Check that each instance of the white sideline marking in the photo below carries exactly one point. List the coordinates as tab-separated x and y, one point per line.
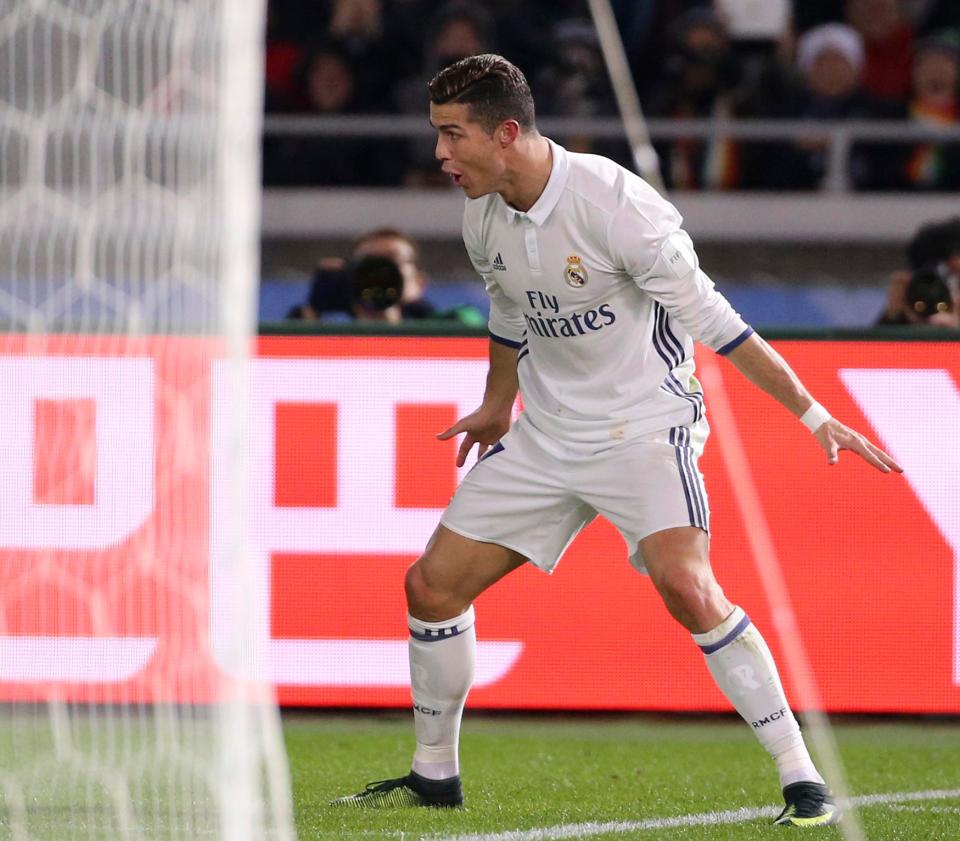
731	816
936	810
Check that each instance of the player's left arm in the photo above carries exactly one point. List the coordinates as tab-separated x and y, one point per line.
676	281
766	369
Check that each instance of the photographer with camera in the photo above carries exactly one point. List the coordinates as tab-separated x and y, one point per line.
382	281
929	293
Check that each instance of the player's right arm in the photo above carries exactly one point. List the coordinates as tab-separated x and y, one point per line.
490	422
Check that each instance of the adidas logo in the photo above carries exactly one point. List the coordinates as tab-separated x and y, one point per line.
498	265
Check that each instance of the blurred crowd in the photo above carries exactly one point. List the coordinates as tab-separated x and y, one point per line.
811	60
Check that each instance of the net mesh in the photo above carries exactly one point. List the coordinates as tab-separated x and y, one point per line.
128	250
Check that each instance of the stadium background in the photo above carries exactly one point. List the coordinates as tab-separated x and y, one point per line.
813	257
753	224
348	481
139	597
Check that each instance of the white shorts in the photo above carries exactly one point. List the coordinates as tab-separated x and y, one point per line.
535	501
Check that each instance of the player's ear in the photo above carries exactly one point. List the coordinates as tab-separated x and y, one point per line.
507	132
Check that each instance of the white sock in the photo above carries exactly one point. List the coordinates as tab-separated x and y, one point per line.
743	668
442	656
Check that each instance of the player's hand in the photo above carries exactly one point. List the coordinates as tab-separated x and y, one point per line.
833	436
483	427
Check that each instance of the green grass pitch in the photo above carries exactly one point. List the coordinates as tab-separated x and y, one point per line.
552	773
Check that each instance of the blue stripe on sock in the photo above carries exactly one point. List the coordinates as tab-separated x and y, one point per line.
741	627
435	635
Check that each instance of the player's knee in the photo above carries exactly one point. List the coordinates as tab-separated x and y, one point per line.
691	593
415	587
425	599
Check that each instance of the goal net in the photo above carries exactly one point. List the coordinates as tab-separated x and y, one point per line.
129	136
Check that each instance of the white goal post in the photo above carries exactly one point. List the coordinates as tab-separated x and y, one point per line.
129	231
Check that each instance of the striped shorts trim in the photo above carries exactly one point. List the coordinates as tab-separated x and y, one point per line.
693	490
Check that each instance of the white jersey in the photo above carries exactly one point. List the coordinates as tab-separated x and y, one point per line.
600	291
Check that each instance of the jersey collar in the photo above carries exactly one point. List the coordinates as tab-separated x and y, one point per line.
556	183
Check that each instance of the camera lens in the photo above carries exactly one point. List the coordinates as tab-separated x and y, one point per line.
927	293
376	283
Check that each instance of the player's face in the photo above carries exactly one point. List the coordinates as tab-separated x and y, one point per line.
471	157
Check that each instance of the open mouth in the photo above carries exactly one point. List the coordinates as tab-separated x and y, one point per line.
455	177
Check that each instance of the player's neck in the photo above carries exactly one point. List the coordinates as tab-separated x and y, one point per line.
528	174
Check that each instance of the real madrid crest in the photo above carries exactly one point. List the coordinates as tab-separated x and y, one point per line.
575	272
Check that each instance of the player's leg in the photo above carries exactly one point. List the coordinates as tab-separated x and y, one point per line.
513	506
740	662
441	587
677	561
653	492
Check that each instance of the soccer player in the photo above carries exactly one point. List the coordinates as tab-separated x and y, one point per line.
596	298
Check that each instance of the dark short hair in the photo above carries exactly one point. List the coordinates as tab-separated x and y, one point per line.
934	242
494	88
387	233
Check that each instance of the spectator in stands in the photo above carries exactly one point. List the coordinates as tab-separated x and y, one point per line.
360	20
759	34
330	85
457	30
521	29
770	88
830	59
383	281
888	44
297	28
701	80
330	82
361	27
935	100
574	84
283	55
928	293
344	57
